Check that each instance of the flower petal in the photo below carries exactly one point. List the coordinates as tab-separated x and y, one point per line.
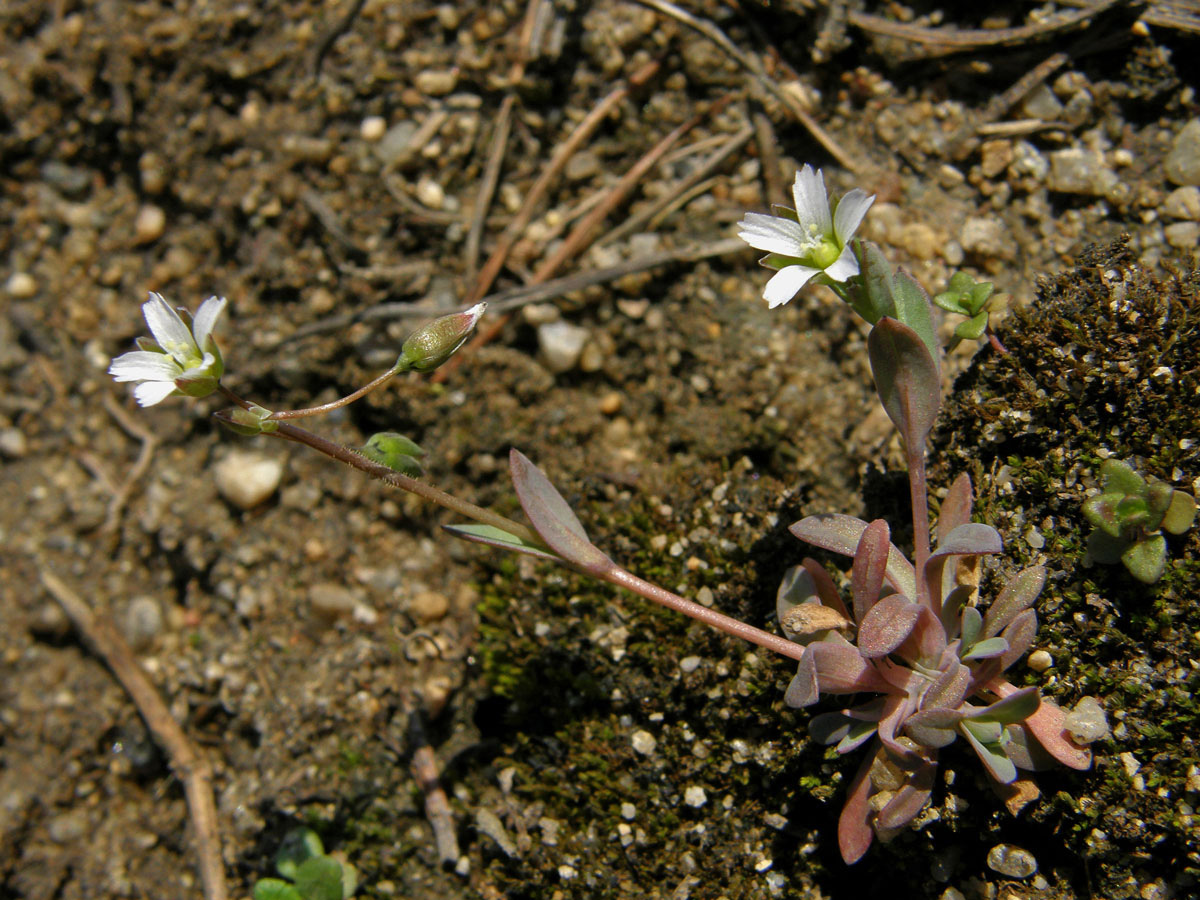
772	234
812	202
143	365
149	393
844	267
785	283
849	214
168	328
206	319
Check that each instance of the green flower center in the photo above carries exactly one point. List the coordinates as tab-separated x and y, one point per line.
825	253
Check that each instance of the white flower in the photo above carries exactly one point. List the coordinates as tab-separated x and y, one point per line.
182	359
813	243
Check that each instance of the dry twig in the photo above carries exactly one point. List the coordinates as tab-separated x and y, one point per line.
424	768
754	66
188	764
1002	103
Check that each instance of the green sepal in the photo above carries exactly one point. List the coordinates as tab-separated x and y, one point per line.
394	450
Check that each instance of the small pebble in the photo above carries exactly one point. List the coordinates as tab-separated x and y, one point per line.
1182	234
428	606
689	664
68	827
1087	721
987	237
142	622
610	403
1040	660
13	443
1182	164
644	742
373	128
21	286
1181	203
50	623
430	193
628	811
246	478
561	345
150	223
331	601
436	82
695	796
1079	171
1011	861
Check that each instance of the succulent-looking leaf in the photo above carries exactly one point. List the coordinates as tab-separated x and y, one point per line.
969	629
973	328
952	607
796	587
1158	501
1180	514
886	625
926	642
1048	727
802	690
498	537
985	740
1020	635
826	589
1015	708
956	506
950	688
933	728
1146	560
906	379
970	539
841	669
551	516
854	825
857	735
841	534
986	649
909	800
870	565
1019	594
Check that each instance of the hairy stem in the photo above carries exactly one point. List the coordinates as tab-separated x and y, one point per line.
919	496
336	404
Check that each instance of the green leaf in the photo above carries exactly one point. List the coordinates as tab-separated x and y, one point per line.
972	624
873	299
973	329
299	845
498	537
320	878
906	379
1146	560
1180	514
394	450
990	749
914	309
274	889
1101	512
1119	477
986	649
1016	707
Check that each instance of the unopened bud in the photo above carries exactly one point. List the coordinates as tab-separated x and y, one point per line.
255	420
431	345
394	450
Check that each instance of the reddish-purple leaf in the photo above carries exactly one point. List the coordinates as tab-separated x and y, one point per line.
927	641
906	379
886	625
854	825
933	728
950	689
803	691
909	800
1019	594
870	563
1048	726
551	517
1020	635
841	534
1015	707
841	669
956	506
826	589
969	539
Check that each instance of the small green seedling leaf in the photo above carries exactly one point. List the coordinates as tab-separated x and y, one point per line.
1146	560
1120	478
274	889
986	649
320	878
1180	514
299	846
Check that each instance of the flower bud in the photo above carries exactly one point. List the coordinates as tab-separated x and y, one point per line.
249	422
431	345
394	450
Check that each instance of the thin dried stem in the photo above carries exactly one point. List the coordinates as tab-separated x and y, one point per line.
187	763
